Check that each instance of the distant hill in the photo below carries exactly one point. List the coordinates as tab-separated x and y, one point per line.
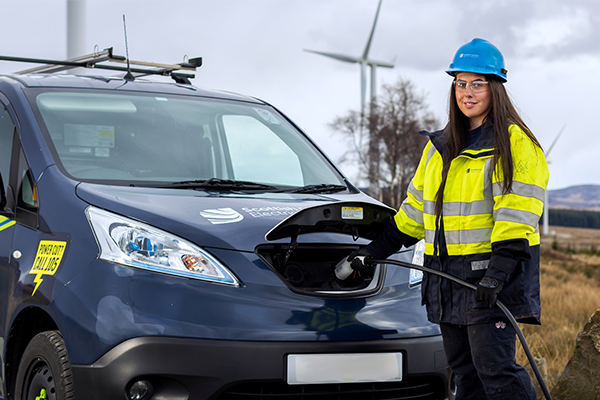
583	197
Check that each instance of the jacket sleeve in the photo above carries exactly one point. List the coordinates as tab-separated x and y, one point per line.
406	228
389	242
409	218
517	214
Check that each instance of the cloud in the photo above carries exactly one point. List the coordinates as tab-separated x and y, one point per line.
554	34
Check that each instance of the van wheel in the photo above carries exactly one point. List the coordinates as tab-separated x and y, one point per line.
45	370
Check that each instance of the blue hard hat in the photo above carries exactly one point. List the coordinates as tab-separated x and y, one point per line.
480	57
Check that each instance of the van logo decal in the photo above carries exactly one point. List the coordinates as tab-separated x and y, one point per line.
47	260
218	216
259	212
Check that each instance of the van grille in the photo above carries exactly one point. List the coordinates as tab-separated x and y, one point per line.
422	388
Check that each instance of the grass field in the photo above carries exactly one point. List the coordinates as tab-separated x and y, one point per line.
570	294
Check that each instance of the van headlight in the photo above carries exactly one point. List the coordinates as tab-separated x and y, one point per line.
416	276
134	244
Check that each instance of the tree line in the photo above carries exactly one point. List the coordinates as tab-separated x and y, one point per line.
574	218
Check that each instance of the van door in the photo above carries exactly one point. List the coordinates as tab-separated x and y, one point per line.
7	223
29	256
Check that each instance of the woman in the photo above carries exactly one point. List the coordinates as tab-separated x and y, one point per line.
476	199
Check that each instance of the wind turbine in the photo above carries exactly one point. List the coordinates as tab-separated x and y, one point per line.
545	222
363	60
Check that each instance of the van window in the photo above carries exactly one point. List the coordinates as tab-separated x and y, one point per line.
126	138
251	160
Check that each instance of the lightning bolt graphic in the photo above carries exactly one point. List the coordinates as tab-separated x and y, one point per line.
38	280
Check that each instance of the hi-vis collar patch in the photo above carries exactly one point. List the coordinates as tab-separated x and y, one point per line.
47	260
6	223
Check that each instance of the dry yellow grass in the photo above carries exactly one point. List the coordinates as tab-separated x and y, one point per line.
570	294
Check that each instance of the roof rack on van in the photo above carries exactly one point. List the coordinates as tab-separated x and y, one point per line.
93	61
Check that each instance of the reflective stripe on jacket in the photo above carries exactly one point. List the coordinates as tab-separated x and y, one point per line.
482	231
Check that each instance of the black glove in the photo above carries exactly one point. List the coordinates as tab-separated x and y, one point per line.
488	290
357	264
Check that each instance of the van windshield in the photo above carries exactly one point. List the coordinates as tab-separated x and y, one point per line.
142	138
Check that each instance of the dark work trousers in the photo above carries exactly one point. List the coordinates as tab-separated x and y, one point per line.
482	358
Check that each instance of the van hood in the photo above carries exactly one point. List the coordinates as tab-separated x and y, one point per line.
241	221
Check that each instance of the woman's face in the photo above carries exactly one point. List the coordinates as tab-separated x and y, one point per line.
473	96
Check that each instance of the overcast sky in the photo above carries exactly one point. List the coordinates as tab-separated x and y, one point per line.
255	47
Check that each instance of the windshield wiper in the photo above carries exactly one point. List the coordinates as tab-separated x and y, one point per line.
322	188
219	184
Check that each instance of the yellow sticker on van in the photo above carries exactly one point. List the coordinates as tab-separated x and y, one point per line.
352	213
47	260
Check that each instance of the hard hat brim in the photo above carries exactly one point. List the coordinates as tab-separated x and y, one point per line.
476	70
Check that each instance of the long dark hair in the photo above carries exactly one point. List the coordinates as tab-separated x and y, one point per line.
502	114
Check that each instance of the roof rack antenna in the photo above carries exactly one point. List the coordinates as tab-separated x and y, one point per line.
128	76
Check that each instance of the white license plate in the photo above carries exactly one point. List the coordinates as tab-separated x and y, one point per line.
343	368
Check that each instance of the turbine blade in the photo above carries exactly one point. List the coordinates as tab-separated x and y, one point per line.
340	57
555	139
368	46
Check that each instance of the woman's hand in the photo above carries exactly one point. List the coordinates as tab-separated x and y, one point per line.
360	261
488	290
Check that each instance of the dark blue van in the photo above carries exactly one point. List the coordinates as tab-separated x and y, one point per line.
162	241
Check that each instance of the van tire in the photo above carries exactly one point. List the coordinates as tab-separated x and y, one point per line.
45	367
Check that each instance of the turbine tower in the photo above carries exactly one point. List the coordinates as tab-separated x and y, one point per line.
363	60
76	17
76	24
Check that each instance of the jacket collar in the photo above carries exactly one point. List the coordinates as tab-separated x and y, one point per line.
485	141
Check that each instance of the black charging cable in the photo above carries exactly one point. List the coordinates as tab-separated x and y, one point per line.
510	317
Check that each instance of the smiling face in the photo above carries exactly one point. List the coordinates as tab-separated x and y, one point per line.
474	106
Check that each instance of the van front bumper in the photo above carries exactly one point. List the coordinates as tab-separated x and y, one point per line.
182	368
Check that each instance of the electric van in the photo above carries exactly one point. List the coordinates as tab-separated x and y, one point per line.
163	241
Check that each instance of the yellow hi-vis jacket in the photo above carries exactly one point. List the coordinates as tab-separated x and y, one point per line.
482	231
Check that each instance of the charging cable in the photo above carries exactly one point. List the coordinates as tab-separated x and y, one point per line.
510	317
